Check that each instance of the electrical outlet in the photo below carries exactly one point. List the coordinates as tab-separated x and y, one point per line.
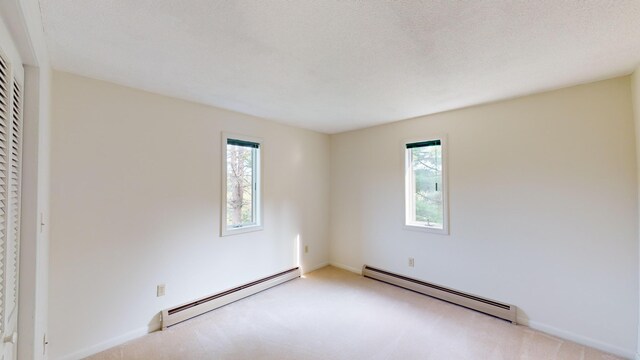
306	249
160	290
411	262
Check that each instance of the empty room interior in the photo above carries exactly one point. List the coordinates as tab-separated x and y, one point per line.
336	179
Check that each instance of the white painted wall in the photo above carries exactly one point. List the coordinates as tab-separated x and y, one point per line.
136	202
635	93
543	208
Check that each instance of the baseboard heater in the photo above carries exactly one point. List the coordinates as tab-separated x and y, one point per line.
490	307
187	311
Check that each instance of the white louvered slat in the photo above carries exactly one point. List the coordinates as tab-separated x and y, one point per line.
4	160
14	197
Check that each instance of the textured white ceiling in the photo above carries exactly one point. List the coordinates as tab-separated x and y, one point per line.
336	65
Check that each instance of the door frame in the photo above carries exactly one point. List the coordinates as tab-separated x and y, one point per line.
23	20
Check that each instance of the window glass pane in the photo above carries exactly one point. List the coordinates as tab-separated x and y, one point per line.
241	180
426	163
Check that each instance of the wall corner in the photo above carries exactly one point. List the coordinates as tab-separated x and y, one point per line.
635	98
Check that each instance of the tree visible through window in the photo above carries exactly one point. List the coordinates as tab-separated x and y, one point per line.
242	184
425	187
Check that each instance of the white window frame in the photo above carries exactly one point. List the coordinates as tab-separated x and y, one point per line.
257	166
409	205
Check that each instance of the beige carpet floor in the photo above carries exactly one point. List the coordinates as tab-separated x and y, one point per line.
334	314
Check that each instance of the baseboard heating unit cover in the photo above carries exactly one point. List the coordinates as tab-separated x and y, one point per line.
192	309
490	307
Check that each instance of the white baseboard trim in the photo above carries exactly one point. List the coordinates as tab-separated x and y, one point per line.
567	335
94	349
638	356
314	268
346	267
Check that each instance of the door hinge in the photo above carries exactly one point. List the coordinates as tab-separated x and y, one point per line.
45	342
41	221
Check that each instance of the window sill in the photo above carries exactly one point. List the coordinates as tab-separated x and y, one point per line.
240	230
424	228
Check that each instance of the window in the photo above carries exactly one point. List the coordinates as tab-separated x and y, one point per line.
426	186
241	190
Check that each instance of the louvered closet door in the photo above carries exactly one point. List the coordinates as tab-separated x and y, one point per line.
11	96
